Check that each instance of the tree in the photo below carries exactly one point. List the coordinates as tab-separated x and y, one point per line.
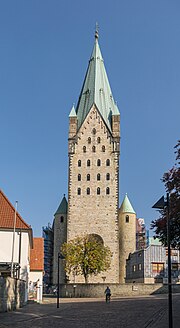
86	256
171	180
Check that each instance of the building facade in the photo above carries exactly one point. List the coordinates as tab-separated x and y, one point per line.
93	182
150	265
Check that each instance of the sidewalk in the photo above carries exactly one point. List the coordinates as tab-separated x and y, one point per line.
137	312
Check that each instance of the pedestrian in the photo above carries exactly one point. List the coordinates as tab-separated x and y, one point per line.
108	294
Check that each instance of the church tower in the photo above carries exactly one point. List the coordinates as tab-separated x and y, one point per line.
60	236
93	186
127	235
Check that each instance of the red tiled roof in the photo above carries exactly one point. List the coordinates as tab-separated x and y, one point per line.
7	214
37	255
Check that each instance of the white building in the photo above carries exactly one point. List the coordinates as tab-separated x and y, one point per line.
15	242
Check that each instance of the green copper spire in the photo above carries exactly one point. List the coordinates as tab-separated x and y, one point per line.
126	206
62	209
96	89
72	112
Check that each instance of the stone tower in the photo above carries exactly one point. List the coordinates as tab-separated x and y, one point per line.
60	236
127	235
93	188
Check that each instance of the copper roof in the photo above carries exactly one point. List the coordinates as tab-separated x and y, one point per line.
7	215
37	255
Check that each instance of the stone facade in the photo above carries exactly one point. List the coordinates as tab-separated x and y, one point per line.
60	236
93	187
127	240
93	179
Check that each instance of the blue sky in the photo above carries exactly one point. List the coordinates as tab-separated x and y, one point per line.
45	46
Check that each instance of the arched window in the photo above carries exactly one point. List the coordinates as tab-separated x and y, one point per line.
93	149
103	149
98	140
79	162
94	131
107	191
98	162
84	149
89	140
88	177
127	218
88	162
98	177
98	191
79	191
88	191
107	176
79	177
62	218
107	162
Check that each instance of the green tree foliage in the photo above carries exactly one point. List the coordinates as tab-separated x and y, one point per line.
86	256
171	180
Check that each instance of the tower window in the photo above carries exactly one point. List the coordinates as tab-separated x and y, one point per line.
62	218
88	162
127	218
84	149
98	162
107	191
79	162
98	191
94	131
88	177
79	177
107	176
88	191
93	149
107	162
79	191
103	149
98	140
89	140
98	177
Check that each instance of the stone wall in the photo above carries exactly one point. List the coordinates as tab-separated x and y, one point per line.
93	190
117	290
12	294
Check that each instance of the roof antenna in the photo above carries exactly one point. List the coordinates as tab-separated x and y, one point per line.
97	31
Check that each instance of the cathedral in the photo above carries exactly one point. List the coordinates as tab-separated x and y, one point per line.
93	177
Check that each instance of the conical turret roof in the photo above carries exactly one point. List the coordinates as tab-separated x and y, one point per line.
96	90
62	209
126	206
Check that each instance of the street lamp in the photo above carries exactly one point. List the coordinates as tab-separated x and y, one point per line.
160	204
60	257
